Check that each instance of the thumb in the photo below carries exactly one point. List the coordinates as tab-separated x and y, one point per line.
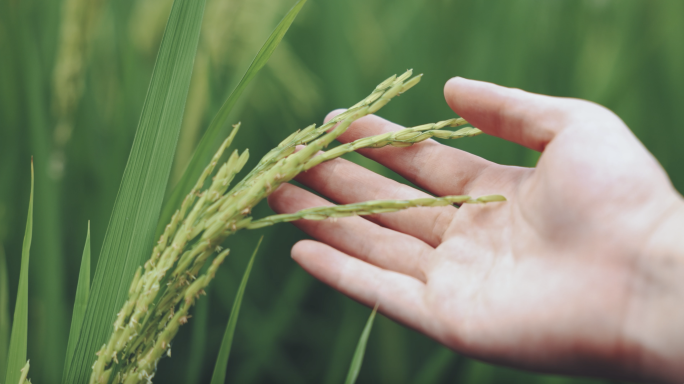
525	118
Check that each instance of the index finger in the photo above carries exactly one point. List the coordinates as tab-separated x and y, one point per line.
525	118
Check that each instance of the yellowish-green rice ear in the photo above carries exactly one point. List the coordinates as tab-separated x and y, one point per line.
167	286
158	301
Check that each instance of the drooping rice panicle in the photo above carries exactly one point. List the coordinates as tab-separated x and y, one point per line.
168	284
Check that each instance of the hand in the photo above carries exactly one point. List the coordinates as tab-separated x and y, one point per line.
580	272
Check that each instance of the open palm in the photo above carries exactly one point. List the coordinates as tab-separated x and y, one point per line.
544	281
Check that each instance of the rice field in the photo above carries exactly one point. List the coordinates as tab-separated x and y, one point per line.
73	79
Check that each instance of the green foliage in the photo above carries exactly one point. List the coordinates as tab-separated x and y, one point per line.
357	359
16	355
81	302
219	375
136	211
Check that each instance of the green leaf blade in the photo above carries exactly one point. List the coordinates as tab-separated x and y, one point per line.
217	129
130	233
219	375
16	358
81	302
357	360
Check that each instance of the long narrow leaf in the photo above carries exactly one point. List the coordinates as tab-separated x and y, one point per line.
81	302
130	234
4	313
48	348
357	360
219	375
16	358
217	129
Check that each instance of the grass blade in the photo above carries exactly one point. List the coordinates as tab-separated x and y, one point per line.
219	375
4	313
217	129
48	281
16	358
81	302
130	233
357	360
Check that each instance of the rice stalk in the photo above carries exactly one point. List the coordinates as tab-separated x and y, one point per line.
169	283
369	208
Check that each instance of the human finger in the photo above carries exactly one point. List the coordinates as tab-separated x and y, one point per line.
398	296
525	118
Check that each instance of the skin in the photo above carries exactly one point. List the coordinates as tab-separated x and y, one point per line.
580	272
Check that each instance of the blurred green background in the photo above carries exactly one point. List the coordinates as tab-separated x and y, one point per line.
73	77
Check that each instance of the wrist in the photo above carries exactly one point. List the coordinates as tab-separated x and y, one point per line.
655	319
